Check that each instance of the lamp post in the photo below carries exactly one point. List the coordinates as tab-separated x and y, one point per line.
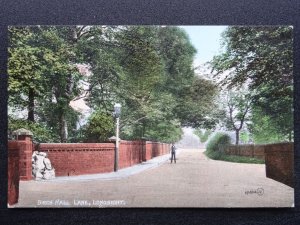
117	112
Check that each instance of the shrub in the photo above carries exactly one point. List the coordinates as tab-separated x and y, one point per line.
218	142
40	132
99	128
244	137
215	150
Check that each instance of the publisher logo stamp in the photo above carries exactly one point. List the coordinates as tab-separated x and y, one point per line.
258	191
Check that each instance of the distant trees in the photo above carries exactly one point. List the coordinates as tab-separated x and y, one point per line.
203	135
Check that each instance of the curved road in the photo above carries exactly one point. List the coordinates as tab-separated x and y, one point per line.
195	181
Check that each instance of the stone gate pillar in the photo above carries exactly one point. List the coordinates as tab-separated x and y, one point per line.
24	138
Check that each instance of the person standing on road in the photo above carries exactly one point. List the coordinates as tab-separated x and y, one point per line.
173	153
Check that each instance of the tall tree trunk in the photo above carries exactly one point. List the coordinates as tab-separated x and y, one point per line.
63	128
31	95
144	130
237	136
290	136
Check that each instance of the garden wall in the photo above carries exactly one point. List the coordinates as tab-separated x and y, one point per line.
130	153
254	151
70	159
279	160
154	149
88	158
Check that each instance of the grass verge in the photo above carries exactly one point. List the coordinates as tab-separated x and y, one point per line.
232	158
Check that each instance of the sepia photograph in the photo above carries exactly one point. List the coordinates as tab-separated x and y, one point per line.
149	116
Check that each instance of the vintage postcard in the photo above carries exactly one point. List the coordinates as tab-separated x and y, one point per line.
150	116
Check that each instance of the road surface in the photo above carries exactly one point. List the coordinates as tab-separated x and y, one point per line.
194	181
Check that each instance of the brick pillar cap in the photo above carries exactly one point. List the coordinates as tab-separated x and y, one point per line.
22	131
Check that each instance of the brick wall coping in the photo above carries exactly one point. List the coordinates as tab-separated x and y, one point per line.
276	146
75	146
85	146
130	142
141	141
156	142
279	143
265	145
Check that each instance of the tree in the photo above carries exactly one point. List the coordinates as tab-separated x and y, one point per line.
196	106
26	65
43	71
203	135
257	55
142	74
237	103
263	130
99	128
148	69
262	58
177	54
165	131
195	95
277	106
62	74
101	53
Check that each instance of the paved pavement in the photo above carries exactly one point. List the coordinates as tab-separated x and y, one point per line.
122	173
194	181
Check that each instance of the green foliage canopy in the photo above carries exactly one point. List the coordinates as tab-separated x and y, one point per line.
261	58
148	69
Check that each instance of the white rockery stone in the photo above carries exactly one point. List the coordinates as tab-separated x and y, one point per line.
41	166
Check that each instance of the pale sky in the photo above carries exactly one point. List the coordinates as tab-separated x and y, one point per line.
206	39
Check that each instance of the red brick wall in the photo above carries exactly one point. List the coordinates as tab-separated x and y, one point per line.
254	151
134	152
154	149
13	172
148	151
130	153
279	159
26	149
280	162
88	158
76	159
25	146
